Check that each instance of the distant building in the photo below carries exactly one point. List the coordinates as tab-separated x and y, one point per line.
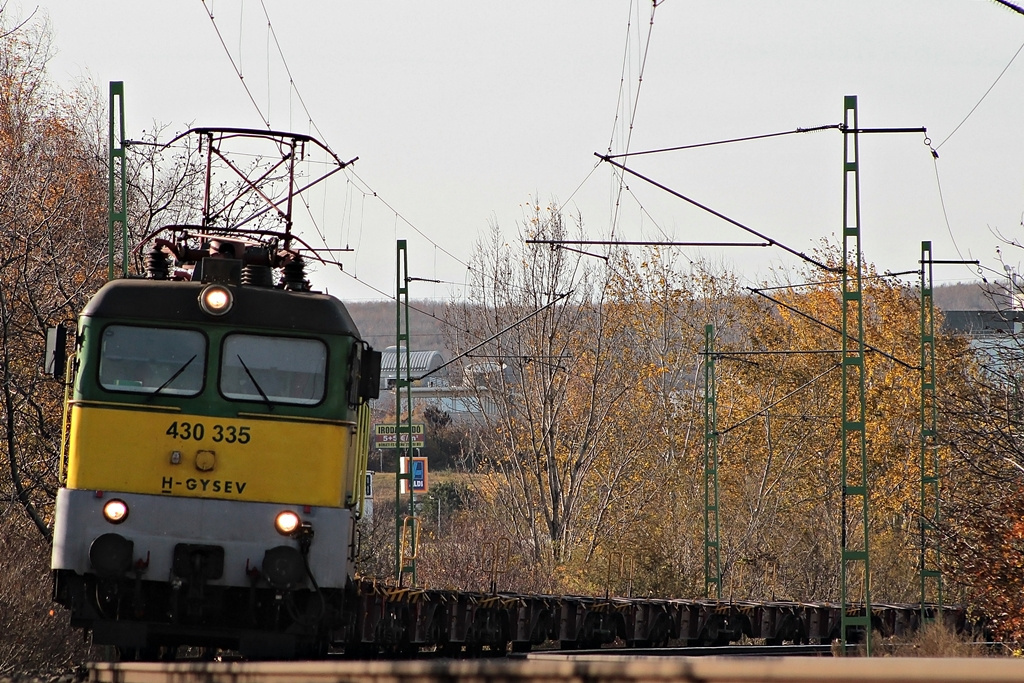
459	403
482	375
983	323
420	364
995	334
435	388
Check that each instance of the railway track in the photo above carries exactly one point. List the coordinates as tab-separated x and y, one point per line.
716	651
542	668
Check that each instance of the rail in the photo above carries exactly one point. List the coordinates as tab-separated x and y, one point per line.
709	670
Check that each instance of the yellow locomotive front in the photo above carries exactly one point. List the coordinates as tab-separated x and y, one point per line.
217	449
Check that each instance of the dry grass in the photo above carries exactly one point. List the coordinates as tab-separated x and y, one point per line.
384	483
933	640
35	636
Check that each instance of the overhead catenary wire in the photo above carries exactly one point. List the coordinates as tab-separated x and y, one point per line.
238	70
272	34
832	328
764	410
583	182
641	243
1010	5
722	216
388	296
409	223
634	105
942	205
639	48
444	322
555	300
698	145
935	156
368	191
266	117
843	128
985	94
294	87
291	80
645	212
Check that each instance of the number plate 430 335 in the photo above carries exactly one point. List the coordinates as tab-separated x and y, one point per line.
217	433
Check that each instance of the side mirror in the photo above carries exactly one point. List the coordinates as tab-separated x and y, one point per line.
369	376
55	356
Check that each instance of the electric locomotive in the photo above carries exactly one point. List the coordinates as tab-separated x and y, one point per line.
217	438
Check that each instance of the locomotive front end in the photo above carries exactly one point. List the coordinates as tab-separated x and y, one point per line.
216	455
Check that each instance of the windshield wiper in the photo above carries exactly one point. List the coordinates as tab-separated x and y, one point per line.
263	394
173	377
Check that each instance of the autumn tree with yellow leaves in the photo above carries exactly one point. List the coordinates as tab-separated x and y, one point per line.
663	302
778	399
52	257
596	455
586	388
548	379
52	249
781	436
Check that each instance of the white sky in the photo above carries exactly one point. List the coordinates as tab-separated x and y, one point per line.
460	112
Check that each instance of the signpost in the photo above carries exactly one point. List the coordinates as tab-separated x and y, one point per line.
405	438
368	497
386	436
420	477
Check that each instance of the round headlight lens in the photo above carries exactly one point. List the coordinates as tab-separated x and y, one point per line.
115	511
216	300
287	522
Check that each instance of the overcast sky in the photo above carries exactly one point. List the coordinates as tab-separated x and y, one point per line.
461	112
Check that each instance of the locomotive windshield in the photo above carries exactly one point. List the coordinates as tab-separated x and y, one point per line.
273	369
152	360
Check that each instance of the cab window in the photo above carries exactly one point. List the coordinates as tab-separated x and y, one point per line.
273	369
151	360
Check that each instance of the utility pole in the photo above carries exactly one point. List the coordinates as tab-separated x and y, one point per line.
406	523
930	568
855	562
117	199
931	545
712	546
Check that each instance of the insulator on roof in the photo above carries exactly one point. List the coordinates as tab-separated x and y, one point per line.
257	276
157	265
294	275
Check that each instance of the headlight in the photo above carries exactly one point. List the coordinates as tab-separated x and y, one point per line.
287	522
215	300
115	511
